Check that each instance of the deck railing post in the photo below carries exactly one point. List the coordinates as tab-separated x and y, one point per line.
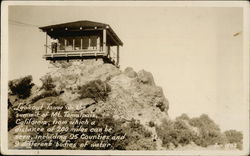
46	43
65	44
117	55
104	41
98	43
81	43
109	51
89	42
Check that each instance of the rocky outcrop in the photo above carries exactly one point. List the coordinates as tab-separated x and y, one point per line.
133	95
92	86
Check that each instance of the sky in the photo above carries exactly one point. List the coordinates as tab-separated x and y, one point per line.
192	52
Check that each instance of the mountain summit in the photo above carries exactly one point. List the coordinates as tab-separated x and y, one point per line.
127	99
130	95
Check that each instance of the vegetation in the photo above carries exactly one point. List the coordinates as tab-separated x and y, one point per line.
47	83
181	132
234	136
96	89
174	132
21	87
209	132
137	137
202	130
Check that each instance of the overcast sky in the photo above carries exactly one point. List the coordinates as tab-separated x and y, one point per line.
192	52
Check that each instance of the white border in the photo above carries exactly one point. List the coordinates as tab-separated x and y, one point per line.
4	71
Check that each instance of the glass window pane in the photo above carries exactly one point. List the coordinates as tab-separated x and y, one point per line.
85	42
93	41
77	43
69	44
61	43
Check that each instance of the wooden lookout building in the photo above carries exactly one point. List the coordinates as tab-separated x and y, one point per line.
81	40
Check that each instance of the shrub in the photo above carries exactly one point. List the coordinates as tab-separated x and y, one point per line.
185	135
166	133
234	136
209	131
47	82
11	118
21	87
137	137
96	89
151	124
174	132
116	126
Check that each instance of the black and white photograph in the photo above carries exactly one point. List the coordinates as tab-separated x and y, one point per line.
122	78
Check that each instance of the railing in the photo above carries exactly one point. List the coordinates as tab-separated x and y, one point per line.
50	49
56	52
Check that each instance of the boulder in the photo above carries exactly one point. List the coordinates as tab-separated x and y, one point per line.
130	72
146	77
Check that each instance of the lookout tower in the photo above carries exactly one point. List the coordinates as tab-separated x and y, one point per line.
81	40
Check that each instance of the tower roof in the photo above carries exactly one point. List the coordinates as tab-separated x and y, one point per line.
80	26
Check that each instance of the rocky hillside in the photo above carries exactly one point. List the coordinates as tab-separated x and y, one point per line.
127	101
132	95
126	95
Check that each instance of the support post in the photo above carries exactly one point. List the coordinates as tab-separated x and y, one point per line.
46	43
65	44
73	47
81	43
108	51
98	43
104	41
118	55
89	42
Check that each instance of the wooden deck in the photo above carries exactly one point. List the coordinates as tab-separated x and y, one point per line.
80	54
65	54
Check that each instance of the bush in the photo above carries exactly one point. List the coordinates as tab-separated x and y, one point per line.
209	131
234	136
96	89
11	118
116	130
137	137
174	132
47	83
151	124
21	87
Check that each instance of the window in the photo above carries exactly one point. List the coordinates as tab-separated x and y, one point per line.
93	40
85	42
61	43
69	44
77	43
